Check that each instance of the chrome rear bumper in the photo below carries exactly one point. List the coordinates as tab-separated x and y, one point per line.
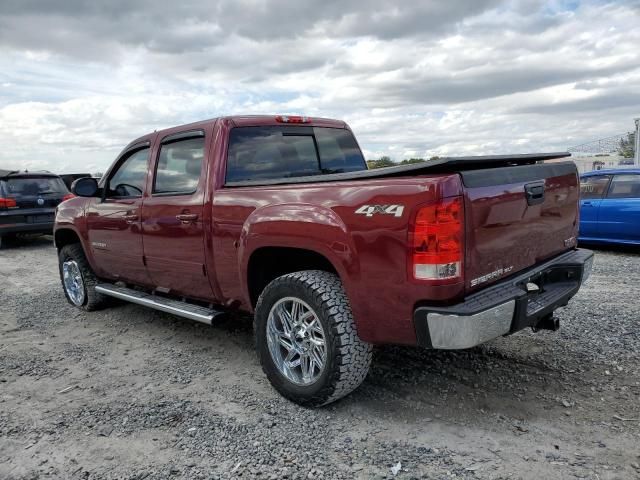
505	307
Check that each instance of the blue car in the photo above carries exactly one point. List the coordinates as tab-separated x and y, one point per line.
610	206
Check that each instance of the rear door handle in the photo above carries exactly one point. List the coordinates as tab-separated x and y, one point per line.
187	217
588	204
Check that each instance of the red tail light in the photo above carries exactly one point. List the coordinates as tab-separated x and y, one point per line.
436	241
292	119
7	202
68	196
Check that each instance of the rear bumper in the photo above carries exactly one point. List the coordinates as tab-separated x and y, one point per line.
32	220
505	307
26	228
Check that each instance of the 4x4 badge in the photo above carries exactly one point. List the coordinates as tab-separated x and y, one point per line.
369	210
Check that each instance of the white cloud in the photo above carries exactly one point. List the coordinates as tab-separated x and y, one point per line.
81	80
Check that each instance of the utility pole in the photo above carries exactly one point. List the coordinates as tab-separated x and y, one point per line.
636	155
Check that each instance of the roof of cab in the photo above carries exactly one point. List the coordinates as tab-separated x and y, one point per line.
244	121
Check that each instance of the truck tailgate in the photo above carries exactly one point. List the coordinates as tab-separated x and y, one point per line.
516	217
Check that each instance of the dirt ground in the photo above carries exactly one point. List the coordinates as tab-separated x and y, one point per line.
127	392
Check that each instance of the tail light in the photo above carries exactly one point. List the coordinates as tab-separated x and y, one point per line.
436	241
8	202
292	119
68	196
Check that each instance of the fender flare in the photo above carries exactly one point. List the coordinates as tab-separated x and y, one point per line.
82	240
303	226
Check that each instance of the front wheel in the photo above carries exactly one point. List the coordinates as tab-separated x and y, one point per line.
78	279
306	338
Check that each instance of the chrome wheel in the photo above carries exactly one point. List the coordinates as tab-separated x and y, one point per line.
73	283
296	341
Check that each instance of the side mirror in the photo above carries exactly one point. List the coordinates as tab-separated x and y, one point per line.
85	187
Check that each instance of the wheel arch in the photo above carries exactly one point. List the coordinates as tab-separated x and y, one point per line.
270	262
282	239
66	236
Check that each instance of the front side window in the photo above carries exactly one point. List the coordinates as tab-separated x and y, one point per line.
593	187
262	153
128	180
179	166
625	186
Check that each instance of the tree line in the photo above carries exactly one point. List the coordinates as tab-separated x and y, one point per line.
385	161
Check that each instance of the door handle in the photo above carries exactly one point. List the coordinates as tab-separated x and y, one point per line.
187	217
534	193
588	204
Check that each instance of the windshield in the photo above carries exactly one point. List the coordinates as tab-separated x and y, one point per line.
257	153
34	186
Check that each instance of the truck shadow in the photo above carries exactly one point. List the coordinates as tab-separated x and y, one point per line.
513	378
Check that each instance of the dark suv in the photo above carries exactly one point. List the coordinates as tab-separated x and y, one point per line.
28	201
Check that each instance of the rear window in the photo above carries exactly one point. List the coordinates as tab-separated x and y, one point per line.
262	153
34	186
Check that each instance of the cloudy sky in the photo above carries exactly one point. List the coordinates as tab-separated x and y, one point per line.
80	79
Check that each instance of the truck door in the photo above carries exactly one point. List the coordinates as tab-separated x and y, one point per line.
113	222
619	215
592	189
172	216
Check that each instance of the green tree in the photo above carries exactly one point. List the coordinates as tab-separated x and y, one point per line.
381	162
410	161
627	145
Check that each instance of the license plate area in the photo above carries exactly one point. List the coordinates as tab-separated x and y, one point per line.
44	218
555	285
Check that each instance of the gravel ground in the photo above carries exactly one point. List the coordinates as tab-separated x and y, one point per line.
132	393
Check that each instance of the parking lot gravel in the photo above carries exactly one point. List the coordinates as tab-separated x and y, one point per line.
131	393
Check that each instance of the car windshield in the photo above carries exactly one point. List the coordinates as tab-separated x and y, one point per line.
34	186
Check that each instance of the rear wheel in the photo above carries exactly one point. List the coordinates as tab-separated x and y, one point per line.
78	280
306	338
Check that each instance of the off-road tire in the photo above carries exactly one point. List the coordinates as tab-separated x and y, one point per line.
92	299
348	357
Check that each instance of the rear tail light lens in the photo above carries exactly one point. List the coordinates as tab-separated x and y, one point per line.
292	119
436	241
7	202
68	196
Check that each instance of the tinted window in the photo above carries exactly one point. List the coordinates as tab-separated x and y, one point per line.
258	153
625	186
128	180
34	186
179	166
339	151
593	187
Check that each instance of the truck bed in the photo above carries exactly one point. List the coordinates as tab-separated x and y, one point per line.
441	165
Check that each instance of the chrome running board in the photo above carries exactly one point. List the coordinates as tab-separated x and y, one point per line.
176	307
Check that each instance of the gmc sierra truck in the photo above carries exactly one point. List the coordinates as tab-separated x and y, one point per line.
279	216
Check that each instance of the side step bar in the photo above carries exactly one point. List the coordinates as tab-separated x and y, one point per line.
176	307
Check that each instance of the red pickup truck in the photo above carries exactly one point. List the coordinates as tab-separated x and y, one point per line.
280	217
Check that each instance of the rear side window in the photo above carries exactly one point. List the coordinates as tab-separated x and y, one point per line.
594	187
262	153
625	186
179	166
